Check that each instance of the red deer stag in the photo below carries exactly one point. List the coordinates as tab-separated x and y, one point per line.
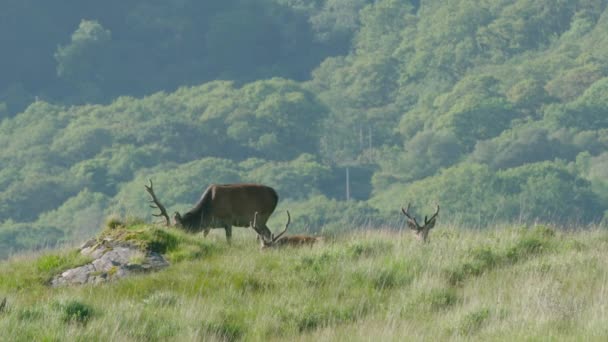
224	206
421	232
280	240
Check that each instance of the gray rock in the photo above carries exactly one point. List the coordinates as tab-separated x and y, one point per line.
111	261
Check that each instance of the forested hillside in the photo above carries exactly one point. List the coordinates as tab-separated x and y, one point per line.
497	110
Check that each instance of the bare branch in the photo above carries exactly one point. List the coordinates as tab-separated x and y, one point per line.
157	205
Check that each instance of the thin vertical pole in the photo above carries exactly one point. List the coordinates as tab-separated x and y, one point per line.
347	185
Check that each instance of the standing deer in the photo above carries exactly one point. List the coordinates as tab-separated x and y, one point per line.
421	232
280	240
224	206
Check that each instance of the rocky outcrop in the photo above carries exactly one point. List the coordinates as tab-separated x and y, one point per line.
111	260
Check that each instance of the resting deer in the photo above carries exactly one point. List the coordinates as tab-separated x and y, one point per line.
280	240
421	232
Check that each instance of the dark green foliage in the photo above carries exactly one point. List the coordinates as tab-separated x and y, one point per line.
495	110
75	312
586	112
138	48
520	146
295	179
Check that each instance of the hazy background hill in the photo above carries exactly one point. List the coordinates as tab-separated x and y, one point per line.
496	110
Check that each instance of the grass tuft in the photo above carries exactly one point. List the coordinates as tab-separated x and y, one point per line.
161	299
75	312
227	328
369	248
473	321
113	222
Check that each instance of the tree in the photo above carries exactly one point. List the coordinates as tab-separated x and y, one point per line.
276	118
83	60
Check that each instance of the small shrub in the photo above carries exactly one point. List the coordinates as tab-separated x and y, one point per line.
310	321
114	222
440	299
76	312
482	260
524	247
316	317
485	256
473	321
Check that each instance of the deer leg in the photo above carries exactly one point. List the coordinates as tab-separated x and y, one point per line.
206	232
228	229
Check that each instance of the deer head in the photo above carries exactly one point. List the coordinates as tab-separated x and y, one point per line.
421	232
273	240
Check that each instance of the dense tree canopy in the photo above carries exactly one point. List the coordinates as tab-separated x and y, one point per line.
497	110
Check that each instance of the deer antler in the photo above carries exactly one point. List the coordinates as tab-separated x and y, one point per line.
421	232
432	217
275	238
157	205
412	220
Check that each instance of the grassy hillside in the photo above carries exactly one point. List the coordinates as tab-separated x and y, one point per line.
504	283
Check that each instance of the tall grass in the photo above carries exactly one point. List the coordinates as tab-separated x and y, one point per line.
496	284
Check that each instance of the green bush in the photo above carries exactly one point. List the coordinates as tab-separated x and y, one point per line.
75	312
